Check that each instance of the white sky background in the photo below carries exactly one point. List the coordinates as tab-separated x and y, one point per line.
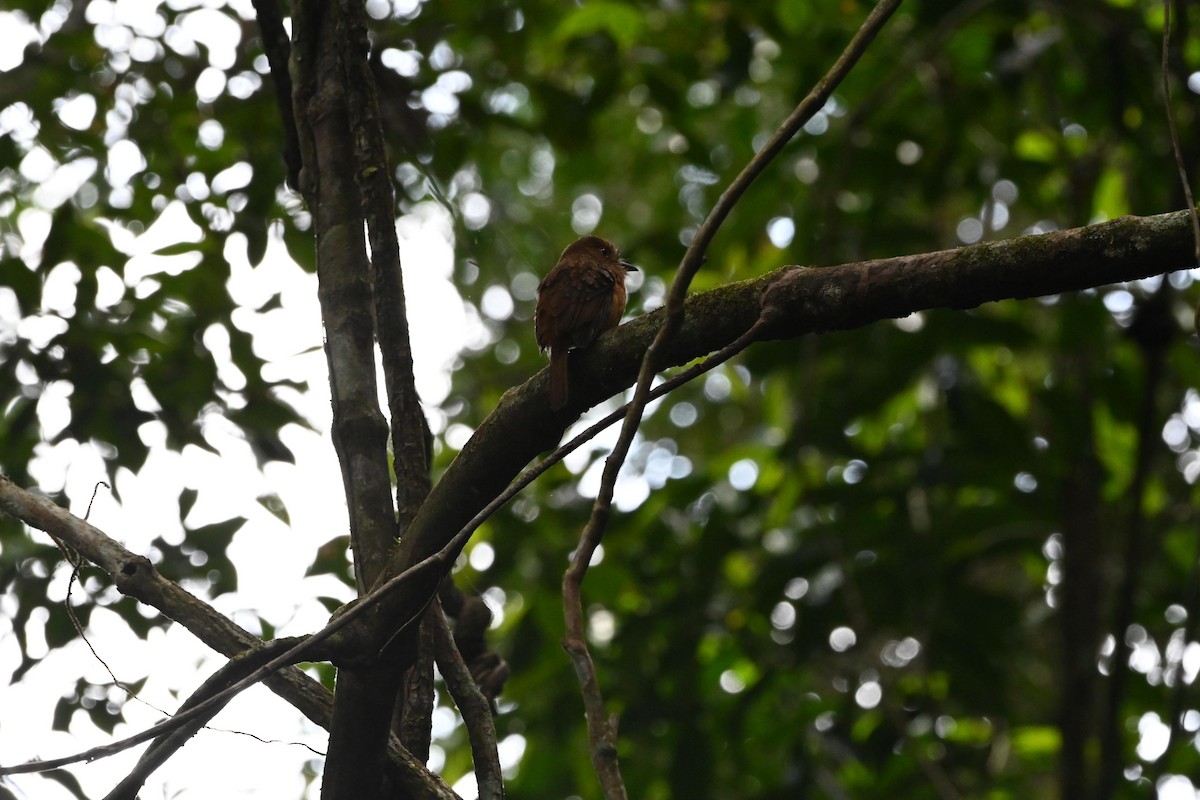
271	558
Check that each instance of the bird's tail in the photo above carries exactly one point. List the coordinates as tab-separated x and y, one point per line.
558	377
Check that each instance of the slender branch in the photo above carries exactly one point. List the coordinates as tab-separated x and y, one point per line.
278	49
134	576
76	563
475	708
693	259
695	255
189	719
562	451
697	251
202	711
410	433
359	430
601	730
301	649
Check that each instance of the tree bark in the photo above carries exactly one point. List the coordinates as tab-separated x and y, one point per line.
797	301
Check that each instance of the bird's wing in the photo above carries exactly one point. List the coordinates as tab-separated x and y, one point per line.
588	306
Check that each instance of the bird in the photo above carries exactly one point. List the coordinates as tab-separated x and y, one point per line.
579	299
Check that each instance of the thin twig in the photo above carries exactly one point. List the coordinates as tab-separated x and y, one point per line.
135	577
95	491
166	745
292	655
693	259
530	475
602	730
203	711
76	561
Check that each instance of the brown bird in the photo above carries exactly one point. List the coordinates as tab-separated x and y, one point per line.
581	298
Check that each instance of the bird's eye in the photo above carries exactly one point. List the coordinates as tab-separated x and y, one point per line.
604	250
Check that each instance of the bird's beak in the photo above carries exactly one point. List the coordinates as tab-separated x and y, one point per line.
628	267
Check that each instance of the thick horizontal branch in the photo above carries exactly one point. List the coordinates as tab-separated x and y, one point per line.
795	301
853	295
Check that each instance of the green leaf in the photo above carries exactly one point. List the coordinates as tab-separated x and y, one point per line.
1036	741
624	23
1035	146
1111	198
